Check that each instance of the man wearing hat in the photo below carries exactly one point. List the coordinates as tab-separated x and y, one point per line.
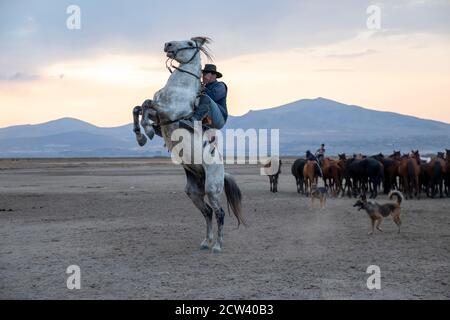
213	100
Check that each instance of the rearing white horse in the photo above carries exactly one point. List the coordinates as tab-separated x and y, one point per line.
175	102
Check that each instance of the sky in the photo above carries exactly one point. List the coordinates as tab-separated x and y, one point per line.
270	52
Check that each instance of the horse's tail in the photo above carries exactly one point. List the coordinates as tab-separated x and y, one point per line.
234	198
398	194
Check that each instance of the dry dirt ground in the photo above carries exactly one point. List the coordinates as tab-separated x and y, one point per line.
135	235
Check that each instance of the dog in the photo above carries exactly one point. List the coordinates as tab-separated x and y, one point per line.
377	211
318	193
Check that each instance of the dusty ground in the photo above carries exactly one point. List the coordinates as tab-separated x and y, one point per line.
129	226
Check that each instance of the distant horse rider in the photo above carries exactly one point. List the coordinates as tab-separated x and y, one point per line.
311	157
320	153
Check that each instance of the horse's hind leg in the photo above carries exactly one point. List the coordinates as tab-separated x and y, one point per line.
214	185
214	200
195	191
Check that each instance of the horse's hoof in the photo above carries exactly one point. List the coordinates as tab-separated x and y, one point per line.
141	139
217	248
205	244
150	132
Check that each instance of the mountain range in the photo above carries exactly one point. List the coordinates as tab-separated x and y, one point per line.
303	125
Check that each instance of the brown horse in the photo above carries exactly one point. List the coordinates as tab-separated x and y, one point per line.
311	174
342	165
436	171
390	172
332	173
409	171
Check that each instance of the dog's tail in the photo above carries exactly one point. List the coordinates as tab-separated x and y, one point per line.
398	194
234	198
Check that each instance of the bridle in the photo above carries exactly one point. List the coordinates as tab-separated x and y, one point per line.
169	122
197	50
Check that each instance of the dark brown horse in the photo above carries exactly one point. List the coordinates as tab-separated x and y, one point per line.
273	172
297	172
390	172
436	171
347	184
409	171
447	176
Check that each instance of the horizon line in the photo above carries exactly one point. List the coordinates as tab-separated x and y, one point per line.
230	115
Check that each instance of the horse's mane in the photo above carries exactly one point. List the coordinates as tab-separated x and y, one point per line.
204	48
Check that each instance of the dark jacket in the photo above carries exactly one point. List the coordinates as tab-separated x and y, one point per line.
217	91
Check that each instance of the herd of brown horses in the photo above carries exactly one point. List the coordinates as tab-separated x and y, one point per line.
362	174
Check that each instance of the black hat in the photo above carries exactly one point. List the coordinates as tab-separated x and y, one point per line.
213	69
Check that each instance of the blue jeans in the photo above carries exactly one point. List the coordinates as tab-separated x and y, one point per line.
218	121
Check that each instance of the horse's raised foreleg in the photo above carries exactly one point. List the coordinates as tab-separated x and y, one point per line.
147	113
141	139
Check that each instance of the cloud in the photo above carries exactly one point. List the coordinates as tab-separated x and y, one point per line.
334	70
21	76
353	54
38	28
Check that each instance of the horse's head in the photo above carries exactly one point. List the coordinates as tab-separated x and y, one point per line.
440	155
396	155
342	156
415	155
447	151
184	51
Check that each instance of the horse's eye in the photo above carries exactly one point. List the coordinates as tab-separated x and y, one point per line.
191	44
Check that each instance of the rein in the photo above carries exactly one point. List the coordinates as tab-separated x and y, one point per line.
197	50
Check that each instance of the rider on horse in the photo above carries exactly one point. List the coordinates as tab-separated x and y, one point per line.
213	101
320	153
